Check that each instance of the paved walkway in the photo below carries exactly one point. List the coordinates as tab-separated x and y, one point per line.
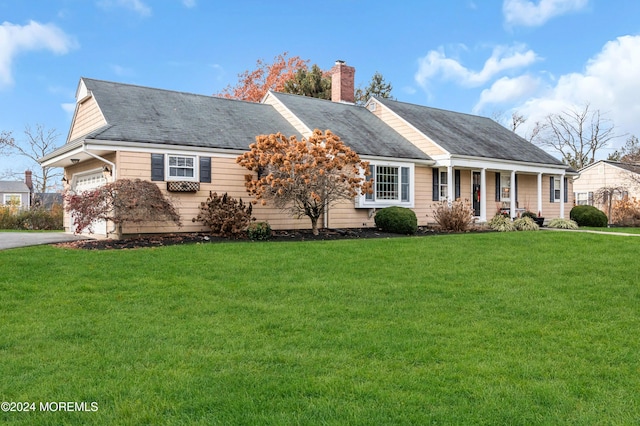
22	239
589	231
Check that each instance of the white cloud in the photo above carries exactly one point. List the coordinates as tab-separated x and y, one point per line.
531	14
121	71
137	6
503	58
507	90
69	108
15	39
189	3
609	83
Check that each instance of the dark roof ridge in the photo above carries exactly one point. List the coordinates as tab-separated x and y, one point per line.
383	100
179	92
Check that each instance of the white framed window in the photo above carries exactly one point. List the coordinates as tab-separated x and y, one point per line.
444	185
505	187
392	185
582	198
181	167
557	194
13	200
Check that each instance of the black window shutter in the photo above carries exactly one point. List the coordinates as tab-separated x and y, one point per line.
516	188
436	185
457	182
497	186
157	166
205	169
566	190
551	190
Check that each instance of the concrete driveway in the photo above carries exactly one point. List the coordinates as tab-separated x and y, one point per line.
22	239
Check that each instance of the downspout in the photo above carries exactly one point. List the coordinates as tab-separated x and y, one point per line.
97	157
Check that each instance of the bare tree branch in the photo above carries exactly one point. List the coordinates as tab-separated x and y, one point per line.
577	134
39	142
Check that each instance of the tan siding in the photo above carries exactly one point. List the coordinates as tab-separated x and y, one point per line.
605	175
412	135
87	118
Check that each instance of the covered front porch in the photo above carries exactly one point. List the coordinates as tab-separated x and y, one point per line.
494	187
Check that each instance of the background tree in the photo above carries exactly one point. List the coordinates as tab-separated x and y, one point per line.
630	152
314	83
38	143
122	201
606	196
377	87
576	134
304	177
253	85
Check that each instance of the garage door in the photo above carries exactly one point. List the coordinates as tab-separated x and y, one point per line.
88	182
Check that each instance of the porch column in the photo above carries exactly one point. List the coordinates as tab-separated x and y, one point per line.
512	195
540	194
483	195
451	182
562	189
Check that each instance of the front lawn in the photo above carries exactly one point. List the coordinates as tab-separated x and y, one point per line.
514	328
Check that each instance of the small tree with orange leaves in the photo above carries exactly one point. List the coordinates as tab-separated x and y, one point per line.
304	177
253	85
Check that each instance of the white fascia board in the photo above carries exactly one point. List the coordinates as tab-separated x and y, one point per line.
96	144
500	165
396	160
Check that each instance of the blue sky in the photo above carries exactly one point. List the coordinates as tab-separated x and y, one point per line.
483	57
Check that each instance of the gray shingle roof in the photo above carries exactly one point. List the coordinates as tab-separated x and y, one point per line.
142	114
357	127
471	135
13	186
635	168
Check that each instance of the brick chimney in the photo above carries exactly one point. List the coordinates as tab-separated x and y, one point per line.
342	82
27	180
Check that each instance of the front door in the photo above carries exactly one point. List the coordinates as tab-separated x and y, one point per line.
475	193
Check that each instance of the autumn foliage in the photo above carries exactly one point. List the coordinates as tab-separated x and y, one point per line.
304	177
122	201
224	216
253	85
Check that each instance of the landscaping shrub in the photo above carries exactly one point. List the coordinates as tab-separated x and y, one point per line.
626	212
398	220
501	223
34	219
525	223
225	216
588	216
456	216
562	224
259	231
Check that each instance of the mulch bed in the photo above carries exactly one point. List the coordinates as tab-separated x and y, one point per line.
159	240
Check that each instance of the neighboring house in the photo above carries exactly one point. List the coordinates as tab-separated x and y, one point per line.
418	156
606	174
17	194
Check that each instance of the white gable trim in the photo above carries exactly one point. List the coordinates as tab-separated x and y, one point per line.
377	102
271	99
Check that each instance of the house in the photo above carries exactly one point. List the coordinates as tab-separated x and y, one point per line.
418	156
624	177
17	194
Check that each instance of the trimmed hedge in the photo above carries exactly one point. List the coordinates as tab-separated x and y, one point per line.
398	220
588	216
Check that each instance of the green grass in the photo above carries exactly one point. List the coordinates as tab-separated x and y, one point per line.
515	328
